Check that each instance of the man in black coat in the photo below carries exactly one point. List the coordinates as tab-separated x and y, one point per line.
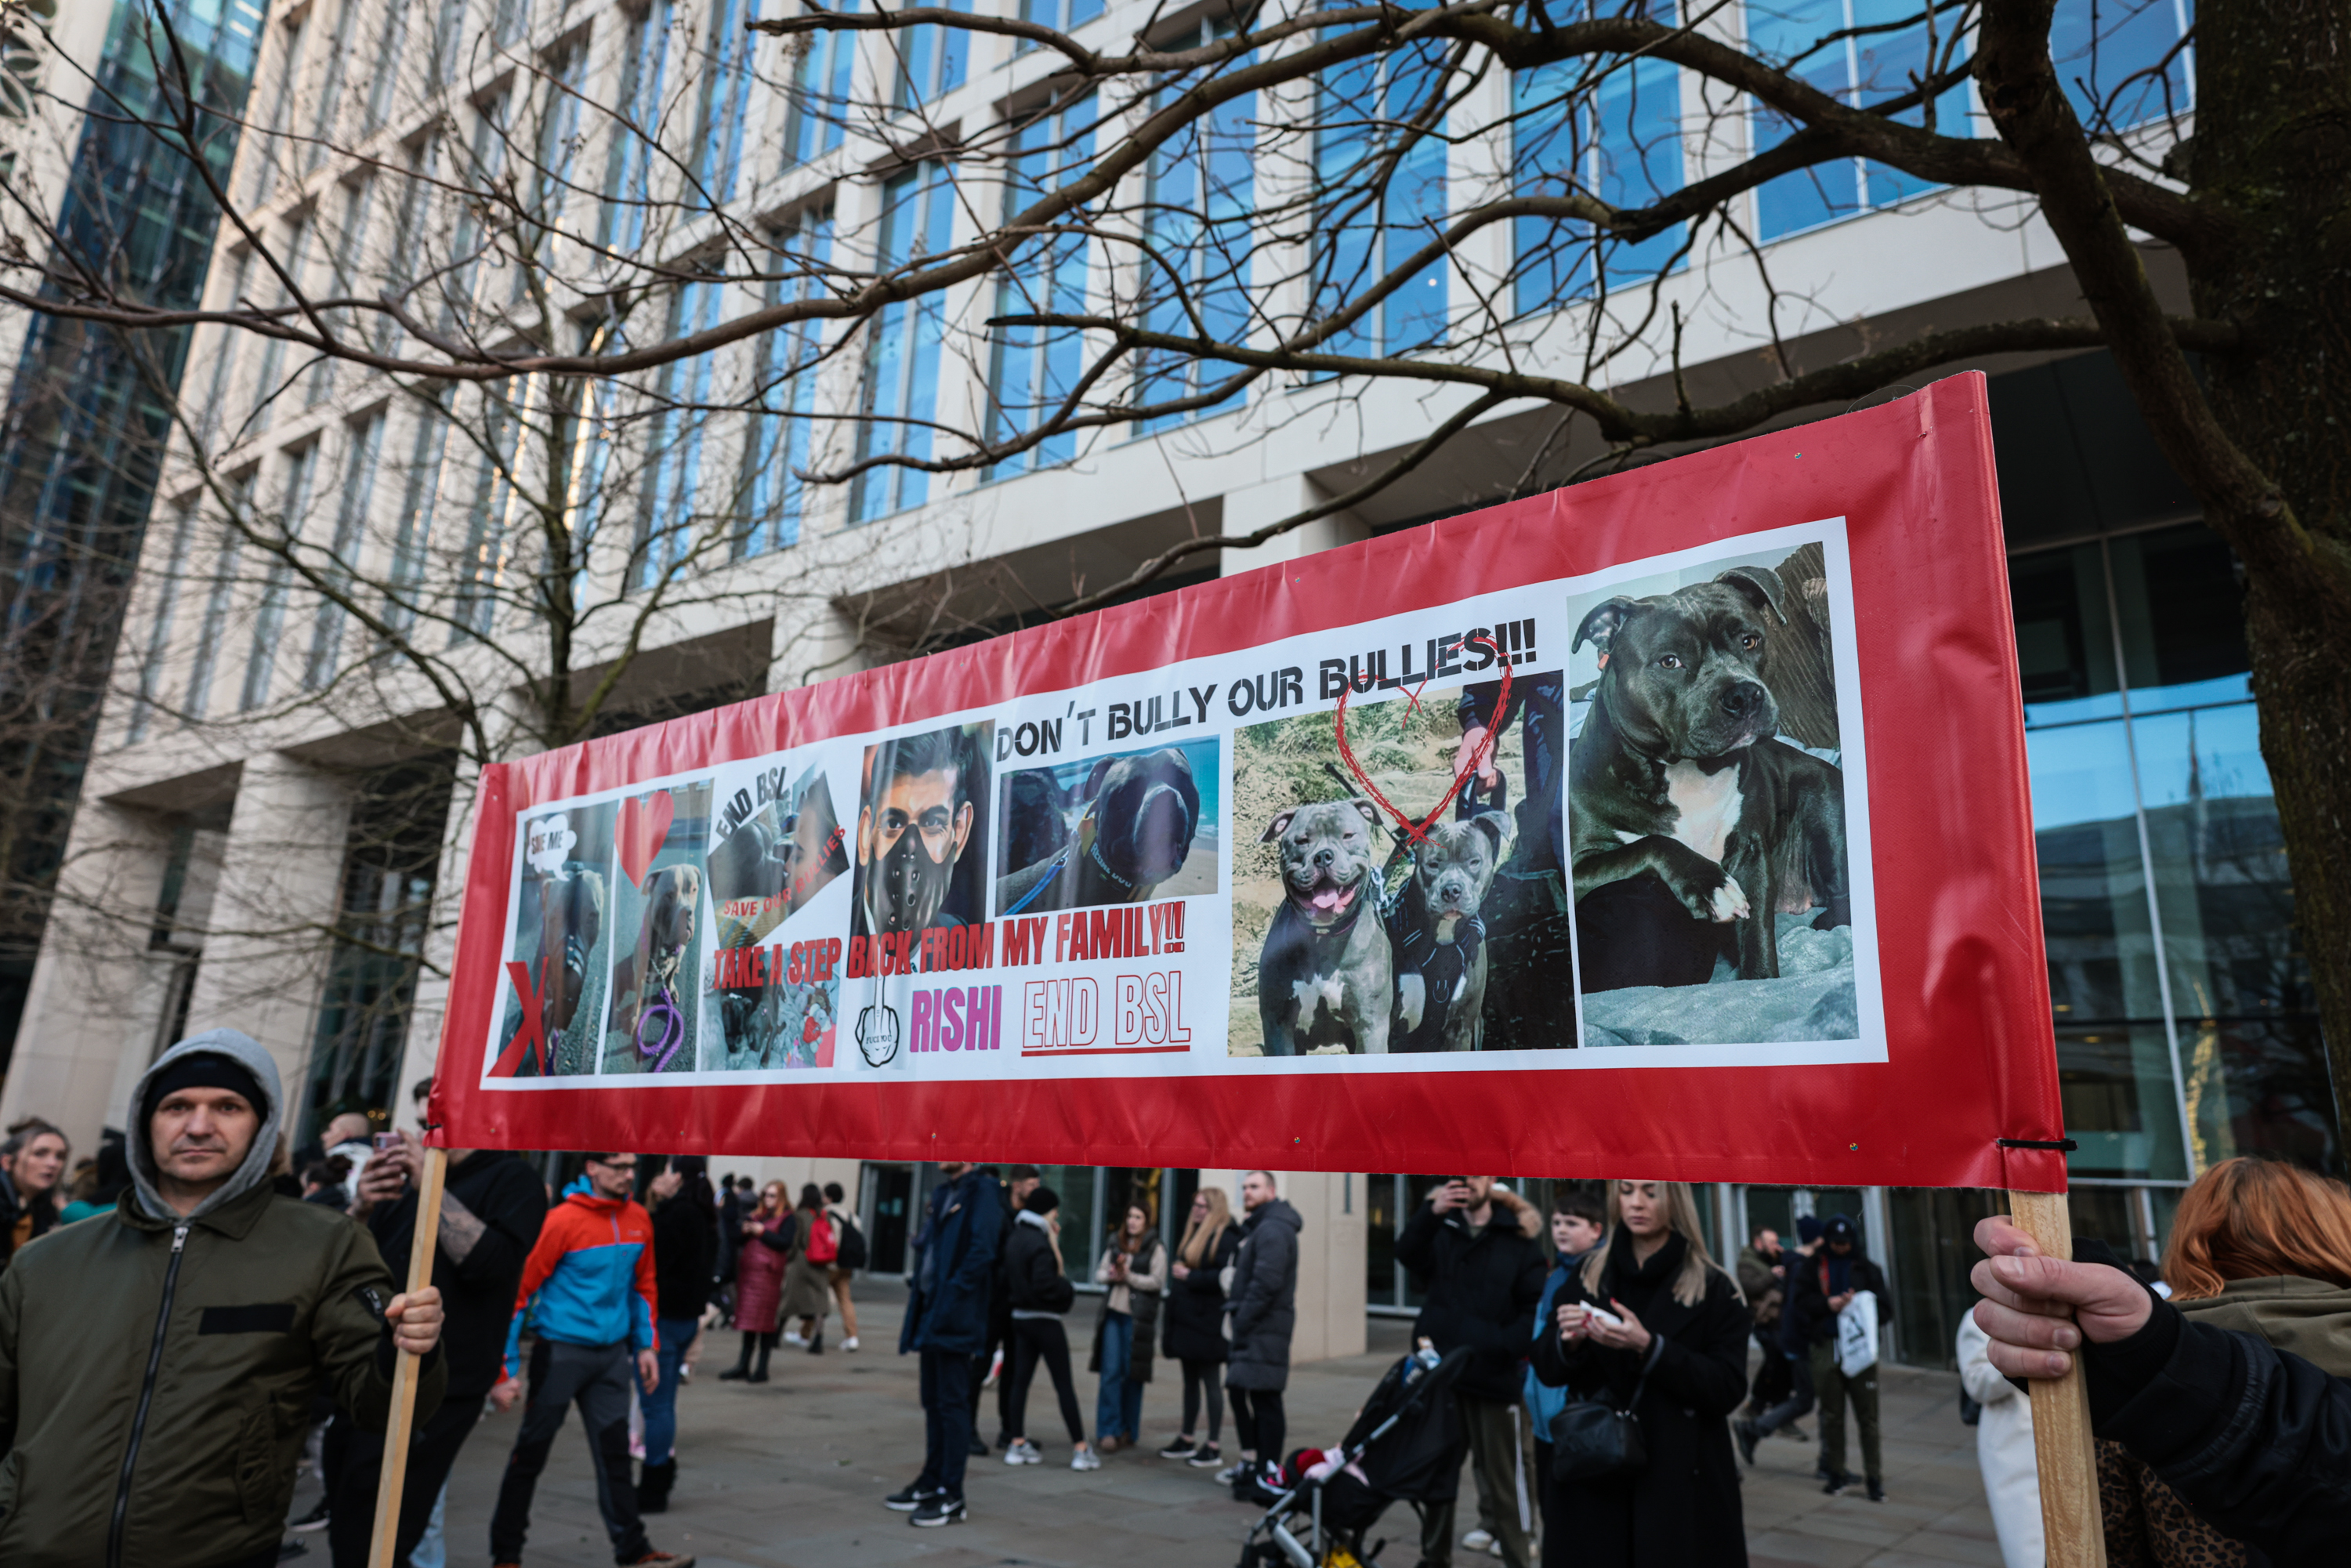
1824	1286
2256	1440
1472	1250
492	1206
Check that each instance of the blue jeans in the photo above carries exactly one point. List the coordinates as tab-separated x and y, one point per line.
661	1406
1118	1410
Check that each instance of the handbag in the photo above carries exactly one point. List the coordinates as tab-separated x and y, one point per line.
1591	1440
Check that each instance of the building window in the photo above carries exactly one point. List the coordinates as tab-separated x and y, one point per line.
265	387
159	635
1062	15
1379	177
413	537
2125	62
227	340
344	248
930	61
776	451
558	135
725	100
270	616
510	22
902	343
483	561
384	87
489	162
271	148
628	170
215	621
323	114
1859	52
350	536
411	235
1032	371
1198	213
673	443
448	33
819	114
1618	139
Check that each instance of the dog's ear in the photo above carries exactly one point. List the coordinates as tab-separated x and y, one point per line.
1279	826
1499	829
1371	813
1602	623
1095	779
1762	585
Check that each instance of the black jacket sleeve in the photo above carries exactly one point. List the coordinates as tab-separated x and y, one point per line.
511	1209
1705	1366
2256	1441
1415	1246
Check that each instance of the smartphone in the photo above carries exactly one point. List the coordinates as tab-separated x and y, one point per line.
1602	1315
386	1141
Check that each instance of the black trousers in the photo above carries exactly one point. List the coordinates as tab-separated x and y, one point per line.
1043	1339
1259	1424
1204	1378
432	1450
1798	1401
596	1377
946	1420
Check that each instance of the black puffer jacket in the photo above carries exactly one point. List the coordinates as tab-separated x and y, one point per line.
1196	1304
1263	1301
1682	1510
1481	1289
685	1252
1809	1302
1033	1282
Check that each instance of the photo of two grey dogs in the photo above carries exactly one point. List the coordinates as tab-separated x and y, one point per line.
1704	821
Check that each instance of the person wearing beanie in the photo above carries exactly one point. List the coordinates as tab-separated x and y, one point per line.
1824	1287
156	1361
1792	1346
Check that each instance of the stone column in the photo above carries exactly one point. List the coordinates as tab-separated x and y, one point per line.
96	1004
281	878
1330	1258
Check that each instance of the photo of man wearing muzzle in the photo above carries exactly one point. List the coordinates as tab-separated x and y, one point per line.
920	849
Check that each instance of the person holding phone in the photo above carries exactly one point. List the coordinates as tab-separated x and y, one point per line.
1134	1267
1650	1324
1472	1250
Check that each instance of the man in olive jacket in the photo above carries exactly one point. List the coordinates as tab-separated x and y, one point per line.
157	1364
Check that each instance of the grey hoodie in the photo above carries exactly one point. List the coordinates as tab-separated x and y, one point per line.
140	1147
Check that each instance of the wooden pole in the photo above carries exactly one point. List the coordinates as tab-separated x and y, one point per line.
2062	1445
403	1376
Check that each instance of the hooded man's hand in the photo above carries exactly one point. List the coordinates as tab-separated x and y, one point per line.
415	1319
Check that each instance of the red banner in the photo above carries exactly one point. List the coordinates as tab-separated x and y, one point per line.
1673	825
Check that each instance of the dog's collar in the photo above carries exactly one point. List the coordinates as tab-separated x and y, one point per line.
1094	852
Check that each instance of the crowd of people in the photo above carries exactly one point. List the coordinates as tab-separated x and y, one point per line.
2220	1383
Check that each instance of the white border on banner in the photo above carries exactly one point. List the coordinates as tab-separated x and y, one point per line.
1208	941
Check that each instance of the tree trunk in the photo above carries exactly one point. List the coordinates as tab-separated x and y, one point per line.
2272	148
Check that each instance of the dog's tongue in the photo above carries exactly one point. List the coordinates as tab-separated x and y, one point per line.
1333	899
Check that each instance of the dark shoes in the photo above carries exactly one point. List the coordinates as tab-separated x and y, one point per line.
1181	1449
1746	1433
660	1559
314	1520
979	1446
1206	1457
1877	1489
652	1487
938	1510
911	1496
1838	1485
816	1345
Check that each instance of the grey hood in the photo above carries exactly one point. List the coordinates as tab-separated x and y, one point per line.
140	1147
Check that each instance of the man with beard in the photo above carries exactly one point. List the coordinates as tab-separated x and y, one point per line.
911	825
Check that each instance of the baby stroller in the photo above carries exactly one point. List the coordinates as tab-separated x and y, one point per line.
1407	1446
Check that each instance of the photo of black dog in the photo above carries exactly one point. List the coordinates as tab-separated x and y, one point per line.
1684	812
1134	828
1436	932
1326	975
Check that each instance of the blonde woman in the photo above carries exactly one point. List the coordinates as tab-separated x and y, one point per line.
1196	1321
1679	1333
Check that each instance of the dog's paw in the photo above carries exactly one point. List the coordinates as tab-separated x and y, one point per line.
1728	902
1412	1002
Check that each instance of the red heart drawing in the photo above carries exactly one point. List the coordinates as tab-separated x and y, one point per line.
1418	832
642	829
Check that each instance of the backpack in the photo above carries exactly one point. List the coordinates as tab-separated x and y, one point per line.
851	1245
823	1246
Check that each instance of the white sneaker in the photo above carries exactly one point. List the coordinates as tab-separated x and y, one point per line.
1085	1460
1021	1451
1478	1541
791	1338
1232	1472
849	1343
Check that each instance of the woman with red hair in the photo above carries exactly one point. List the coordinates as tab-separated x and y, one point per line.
2260	1248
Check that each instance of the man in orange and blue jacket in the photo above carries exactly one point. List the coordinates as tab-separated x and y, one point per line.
586	1294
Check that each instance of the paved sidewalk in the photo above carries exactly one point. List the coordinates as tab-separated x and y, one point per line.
792	1474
